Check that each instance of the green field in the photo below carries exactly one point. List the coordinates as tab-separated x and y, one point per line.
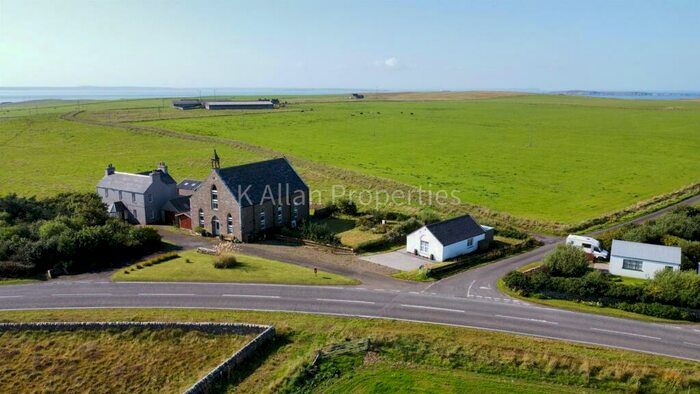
404	356
537	157
250	270
109	361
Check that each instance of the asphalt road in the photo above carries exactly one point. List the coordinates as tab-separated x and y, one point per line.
469	299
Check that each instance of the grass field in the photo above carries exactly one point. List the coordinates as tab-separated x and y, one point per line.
545	157
250	270
435	358
90	361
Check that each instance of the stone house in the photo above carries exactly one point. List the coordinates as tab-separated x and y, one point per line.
137	198
246	201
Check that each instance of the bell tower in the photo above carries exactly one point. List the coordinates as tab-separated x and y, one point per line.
215	161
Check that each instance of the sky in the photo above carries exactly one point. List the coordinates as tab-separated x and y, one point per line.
384	45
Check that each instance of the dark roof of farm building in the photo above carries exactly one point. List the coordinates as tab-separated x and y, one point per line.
189	184
186	102
251	183
178	204
455	229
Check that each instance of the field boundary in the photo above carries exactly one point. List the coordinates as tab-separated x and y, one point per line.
203	385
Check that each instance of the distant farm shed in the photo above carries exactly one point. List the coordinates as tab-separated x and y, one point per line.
450	238
261	104
187	104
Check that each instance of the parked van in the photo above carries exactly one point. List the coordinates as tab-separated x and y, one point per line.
588	245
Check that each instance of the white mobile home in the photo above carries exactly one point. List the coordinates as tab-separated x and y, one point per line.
450	238
639	260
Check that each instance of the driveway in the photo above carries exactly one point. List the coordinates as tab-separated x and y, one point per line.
398	260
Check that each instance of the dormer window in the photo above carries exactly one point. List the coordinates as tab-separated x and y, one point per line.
214	197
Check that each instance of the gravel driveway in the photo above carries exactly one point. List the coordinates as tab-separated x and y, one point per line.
398	260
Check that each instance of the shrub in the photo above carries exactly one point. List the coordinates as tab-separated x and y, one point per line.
566	261
16	269
319	233
188	261
516	280
347	206
657	310
225	261
510	232
199	230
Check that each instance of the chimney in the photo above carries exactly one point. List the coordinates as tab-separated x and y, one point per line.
163	167
110	169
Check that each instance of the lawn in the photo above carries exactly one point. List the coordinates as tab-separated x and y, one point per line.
200	268
110	361
435	358
346	228
552	158
8	281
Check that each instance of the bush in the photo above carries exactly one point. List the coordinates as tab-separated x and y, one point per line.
16	269
657	310
516	280
319	233
199	230
566	261
347	207
226	261
510	232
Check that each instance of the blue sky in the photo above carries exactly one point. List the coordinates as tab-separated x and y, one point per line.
453	45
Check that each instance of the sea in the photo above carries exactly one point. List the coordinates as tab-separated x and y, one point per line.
21	94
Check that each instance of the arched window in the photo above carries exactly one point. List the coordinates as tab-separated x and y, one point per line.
262	219
214	197
279	215
229	224
201	217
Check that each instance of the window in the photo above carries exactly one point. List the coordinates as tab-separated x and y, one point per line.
150	197
632	265
279	214
215	226
295	211
120	195
424	245
229	224
106	192
133	197
214	197
201	217
262	219
586	246
470	242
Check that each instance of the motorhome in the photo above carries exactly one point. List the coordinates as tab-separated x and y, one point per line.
588	245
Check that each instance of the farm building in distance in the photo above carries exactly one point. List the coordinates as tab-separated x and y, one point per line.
450	238
639	260
187	104
261	104
357	96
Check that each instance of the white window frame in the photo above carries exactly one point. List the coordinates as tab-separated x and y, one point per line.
229	224
424	246
470	242
201	218
262	219
631	265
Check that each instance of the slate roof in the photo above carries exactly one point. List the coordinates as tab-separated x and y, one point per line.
648	252
248	182
178	204
127	182
189	184
456	229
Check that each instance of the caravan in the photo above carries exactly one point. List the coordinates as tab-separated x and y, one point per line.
588	245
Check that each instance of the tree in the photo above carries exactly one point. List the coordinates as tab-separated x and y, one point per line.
566	261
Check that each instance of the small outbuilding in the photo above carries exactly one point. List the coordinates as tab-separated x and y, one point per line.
450	238
640	260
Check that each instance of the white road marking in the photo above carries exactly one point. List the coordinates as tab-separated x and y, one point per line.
165	294
526	319
414	292
625	333
696	330
81	294
485	288
470	288
692	344
348	301
249	296
432	308
12	296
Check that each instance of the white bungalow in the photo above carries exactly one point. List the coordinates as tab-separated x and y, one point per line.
447	239
639	260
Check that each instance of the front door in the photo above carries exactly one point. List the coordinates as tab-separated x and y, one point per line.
215	226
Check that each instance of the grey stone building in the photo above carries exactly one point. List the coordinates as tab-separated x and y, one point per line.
137	198
245	201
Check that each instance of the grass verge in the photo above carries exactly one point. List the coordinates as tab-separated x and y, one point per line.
196	267
110	361
16	281
448	354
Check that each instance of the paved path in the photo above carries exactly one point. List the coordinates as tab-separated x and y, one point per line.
398	260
